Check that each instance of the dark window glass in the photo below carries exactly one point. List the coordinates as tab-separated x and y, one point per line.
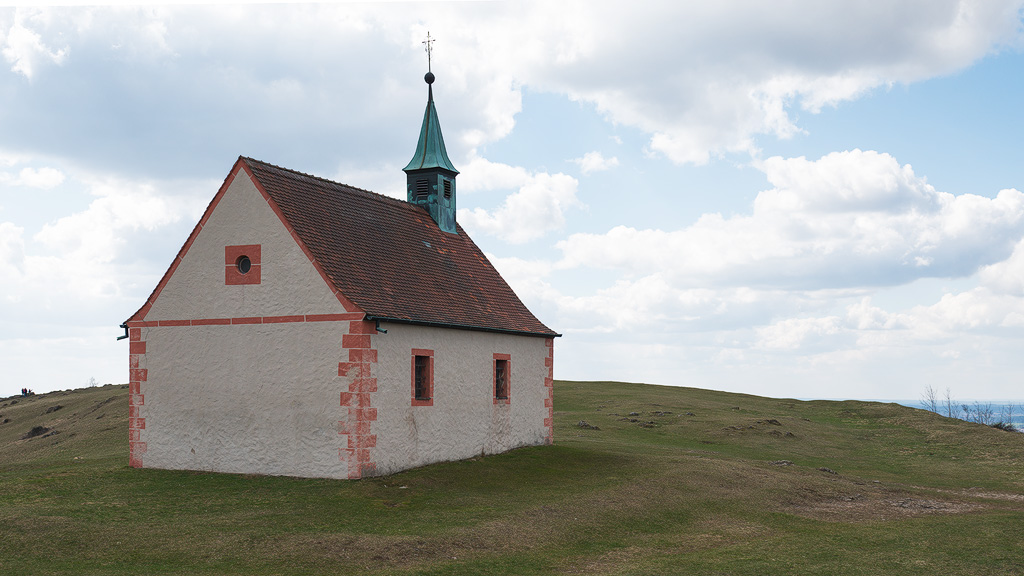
422	377
243	264
501	379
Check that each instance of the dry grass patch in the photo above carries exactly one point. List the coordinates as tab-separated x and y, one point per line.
874	505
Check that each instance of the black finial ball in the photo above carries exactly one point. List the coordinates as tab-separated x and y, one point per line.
429	78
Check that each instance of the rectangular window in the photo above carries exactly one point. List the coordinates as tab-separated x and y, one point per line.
422	377
502	378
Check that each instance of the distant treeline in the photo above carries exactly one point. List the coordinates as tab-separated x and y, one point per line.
1007	416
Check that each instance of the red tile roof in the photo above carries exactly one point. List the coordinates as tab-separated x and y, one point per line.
390	258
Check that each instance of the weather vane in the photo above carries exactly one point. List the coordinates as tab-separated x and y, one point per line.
429	46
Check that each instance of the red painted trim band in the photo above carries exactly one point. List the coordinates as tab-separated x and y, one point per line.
175	322
212	322
334	317
348	317
279	319
250	320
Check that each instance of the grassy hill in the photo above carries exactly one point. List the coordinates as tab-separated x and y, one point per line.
657	481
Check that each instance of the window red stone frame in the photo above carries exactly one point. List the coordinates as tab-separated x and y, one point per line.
422	377
502	378
242	264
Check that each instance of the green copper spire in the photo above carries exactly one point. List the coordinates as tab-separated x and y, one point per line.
430	176
430	151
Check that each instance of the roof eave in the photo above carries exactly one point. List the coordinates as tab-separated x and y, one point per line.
372	318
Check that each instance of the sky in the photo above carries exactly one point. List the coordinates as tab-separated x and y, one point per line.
792	199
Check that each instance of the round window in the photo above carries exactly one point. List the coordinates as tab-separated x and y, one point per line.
244	264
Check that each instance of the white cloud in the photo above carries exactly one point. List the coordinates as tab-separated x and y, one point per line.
87	269
24	48
778	299
850	219
977	310
707	79
701	80
706	101
84	244
387	179
595	162
530	281
536	208
98	254
42	178
862	315
481	175
12	257
9	158
794	333
863	351
1006	277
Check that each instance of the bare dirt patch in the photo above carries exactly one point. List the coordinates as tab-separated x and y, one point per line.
867	503
987	495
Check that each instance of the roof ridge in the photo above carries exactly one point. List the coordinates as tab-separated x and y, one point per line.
371	193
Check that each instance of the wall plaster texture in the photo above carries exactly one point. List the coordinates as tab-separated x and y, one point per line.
254	399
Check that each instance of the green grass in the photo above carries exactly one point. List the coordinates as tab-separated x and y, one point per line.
693	486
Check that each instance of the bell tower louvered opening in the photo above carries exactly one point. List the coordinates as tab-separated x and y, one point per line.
422	192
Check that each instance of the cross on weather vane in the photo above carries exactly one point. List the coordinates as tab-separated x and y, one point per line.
428	43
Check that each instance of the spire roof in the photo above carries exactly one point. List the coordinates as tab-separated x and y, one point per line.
430	151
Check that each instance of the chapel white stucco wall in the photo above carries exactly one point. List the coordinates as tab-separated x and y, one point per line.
254	399
463	421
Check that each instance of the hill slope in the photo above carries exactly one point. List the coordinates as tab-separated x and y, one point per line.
657	480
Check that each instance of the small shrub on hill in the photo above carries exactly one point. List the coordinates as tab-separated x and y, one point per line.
35	431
